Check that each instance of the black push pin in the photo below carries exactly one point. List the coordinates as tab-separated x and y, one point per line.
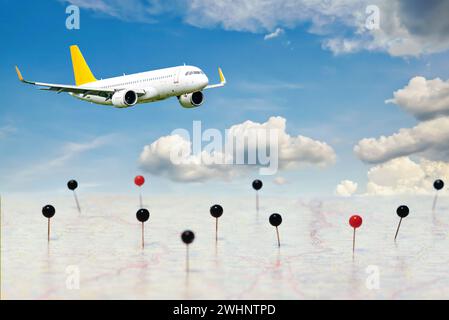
402	212
142	215
257	185
276	220
216	211
187	237
438	185
48	211
72	185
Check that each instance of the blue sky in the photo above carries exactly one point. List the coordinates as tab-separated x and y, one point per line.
48	138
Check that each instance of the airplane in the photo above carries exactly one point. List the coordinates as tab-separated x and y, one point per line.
184	82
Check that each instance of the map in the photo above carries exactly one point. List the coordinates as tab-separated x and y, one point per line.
97	254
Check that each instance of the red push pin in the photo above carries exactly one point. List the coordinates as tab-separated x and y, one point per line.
355	221
139	181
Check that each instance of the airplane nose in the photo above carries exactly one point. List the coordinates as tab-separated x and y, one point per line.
205	80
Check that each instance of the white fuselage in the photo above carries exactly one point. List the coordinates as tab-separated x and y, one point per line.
152	85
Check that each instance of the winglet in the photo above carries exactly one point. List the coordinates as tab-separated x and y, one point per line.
222	78
19	74
222	81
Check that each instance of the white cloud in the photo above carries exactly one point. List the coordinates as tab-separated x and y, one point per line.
428	101
276	33
398	33
407	27
156	159
346	188
405	176
425	99
400	176
257	16
429	138
342	45
293	151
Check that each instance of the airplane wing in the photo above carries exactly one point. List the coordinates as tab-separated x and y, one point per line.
85	90
222	81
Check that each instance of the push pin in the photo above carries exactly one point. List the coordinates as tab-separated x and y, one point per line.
142	215
257	185
216	211
48	211
139	181
438	185
275	221
187	237
402	212
72	185
355	221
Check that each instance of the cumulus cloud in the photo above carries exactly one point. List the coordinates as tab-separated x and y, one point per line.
400	176
220	161
346	188
276	33
405	176
293	150
424	99
156	159
429	138
397	33
396	172
428	101
406	28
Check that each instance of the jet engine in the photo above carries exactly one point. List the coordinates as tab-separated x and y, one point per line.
124	98
191	100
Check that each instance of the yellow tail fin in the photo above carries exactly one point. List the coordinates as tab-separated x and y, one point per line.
80	68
